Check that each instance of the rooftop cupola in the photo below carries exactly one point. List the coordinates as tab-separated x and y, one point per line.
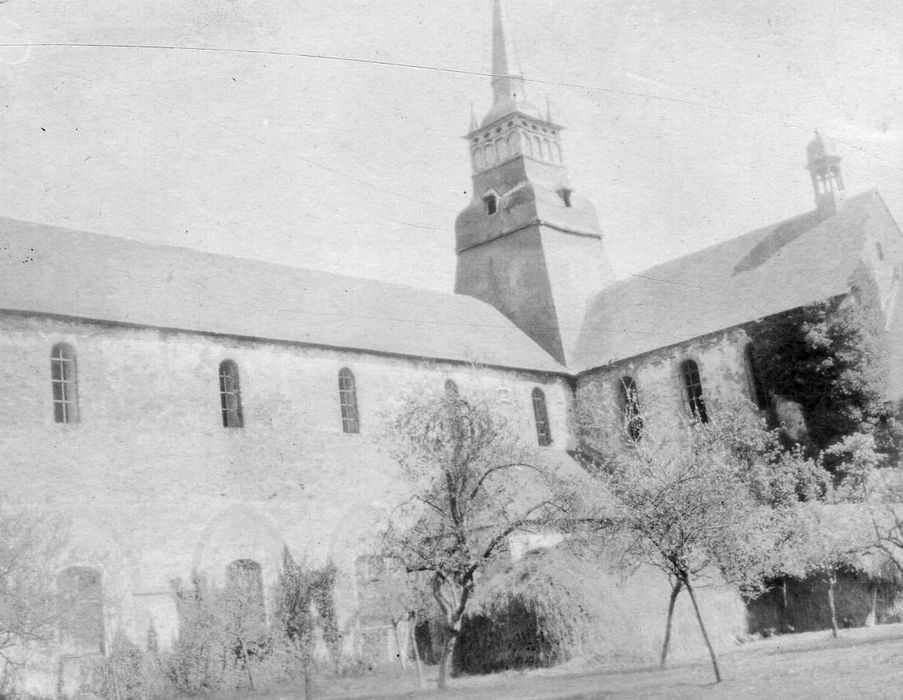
824	167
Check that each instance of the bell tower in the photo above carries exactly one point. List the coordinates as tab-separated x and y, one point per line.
824	167
528	242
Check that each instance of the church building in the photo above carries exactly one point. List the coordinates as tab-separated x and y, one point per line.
192	412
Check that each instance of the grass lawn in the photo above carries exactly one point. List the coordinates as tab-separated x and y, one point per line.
862	663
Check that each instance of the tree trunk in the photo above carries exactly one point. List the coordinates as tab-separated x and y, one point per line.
705	635
452	632
400	652
244	656
675	590
832	578
416	646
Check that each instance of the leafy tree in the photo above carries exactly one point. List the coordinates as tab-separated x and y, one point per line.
473	486
393	595
698	502
305	602
830	357
32	543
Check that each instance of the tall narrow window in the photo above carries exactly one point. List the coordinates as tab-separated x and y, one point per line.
348	402
543	431
756	387
65	384
492	203
230	394
81	609
630	408
692	386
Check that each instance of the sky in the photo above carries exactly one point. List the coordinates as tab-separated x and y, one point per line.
328	133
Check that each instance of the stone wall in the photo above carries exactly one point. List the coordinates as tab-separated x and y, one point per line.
155	487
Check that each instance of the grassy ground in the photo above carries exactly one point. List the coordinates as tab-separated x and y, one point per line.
863	663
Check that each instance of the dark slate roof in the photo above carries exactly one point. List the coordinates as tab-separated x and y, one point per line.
68	273
772	269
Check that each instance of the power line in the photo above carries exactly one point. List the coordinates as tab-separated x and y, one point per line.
427	67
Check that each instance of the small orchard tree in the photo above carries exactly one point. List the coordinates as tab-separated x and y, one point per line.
473	487
393	595
30	546
696	502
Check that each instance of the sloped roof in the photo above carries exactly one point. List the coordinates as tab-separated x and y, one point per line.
49	270
772	269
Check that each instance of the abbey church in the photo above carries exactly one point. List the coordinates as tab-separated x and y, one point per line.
181	427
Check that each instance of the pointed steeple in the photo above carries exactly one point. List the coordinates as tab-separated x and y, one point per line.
508	94
507	80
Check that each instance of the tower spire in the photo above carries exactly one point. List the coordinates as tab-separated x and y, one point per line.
508	94
507	80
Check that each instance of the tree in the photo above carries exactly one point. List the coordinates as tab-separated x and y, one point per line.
391	594
830	357
32	543
692	504
473	486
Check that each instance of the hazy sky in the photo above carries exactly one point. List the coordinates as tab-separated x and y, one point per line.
686	121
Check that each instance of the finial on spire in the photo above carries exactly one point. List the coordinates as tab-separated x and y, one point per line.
473	118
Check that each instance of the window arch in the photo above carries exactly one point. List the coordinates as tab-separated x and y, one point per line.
630	408
230	394
692	388
757	389
348	402
541	415
80	595
64	382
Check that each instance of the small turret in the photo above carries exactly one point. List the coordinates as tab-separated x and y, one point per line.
827	182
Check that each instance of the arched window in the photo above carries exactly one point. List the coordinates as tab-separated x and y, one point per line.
489	149
478	160
513	144
528	144
558	157
630	408
348	402
491	201
756	387
501	146
230	394
692	387
537	147
81	609
64	383
543	430
244	596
